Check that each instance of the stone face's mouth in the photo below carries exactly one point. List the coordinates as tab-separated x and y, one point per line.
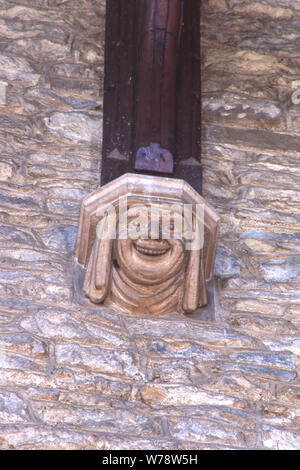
151	247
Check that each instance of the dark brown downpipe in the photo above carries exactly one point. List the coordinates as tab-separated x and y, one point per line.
152	109
156	84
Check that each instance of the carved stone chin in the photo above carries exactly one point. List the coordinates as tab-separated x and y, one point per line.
137	274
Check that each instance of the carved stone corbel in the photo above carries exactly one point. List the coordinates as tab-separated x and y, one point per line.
146	271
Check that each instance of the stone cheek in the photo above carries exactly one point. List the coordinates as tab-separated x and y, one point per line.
73	376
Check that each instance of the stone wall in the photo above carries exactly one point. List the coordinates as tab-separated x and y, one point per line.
78	377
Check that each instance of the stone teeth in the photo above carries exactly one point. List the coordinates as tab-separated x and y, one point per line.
148	251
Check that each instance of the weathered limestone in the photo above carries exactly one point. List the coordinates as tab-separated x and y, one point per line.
68	370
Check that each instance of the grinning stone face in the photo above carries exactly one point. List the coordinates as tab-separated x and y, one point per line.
147	257
149	262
